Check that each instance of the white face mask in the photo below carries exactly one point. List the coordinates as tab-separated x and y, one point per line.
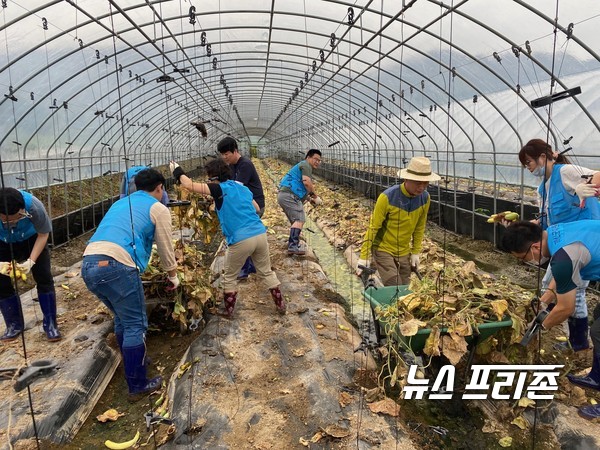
542	261
538	171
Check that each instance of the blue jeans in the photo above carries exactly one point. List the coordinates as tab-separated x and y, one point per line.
581	309
120	288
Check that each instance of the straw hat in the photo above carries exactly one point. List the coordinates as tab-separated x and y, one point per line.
419	169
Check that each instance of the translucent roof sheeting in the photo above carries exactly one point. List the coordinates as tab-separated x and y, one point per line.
91	84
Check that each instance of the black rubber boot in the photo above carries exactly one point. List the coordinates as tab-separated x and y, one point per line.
294	242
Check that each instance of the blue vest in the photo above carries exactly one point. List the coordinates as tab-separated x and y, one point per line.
293	181
239	220
588	233
563	206
23	229
129	181
116	227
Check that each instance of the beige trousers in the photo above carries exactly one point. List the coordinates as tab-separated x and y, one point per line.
258	248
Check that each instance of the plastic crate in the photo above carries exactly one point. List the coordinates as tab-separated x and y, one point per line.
385	296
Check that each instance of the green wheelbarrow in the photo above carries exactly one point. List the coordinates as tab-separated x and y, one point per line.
384	297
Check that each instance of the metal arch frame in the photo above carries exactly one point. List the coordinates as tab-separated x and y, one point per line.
427	78
294	55
537	63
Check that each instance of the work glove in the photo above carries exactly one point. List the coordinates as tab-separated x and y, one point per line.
176	170
316	200
364	263
173	283
5	268
414	261
585	190
25	266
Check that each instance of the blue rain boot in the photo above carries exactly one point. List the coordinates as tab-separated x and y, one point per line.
247	269
589	412
13	318
294	242
592	380
578	336
135	373
47	302
119	337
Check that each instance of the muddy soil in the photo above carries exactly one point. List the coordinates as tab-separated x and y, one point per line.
166	346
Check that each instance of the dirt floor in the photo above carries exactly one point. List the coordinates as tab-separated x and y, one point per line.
297	377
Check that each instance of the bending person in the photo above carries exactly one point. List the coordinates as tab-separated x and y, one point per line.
24	237
563	188
244	232
117	253
574	252
243	171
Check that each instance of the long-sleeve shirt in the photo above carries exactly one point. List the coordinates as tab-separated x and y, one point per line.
397	225
161	218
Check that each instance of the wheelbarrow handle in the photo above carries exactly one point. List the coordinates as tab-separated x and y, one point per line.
416	272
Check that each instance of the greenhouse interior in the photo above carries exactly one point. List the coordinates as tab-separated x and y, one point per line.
322	224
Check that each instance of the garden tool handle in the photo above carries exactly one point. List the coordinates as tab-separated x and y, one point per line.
416	272
535	327
174	203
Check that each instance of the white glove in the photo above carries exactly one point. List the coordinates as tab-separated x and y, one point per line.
414	261
173	283
25	266
316	200
172	166
364	263
585	190
5	268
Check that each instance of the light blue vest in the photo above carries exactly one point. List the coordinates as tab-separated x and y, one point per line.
563	206
238	217
116	227
585	231
23	229
293	181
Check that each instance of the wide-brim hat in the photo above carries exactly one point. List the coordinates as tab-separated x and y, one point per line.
419	169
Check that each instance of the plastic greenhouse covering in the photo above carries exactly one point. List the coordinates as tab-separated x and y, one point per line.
92	86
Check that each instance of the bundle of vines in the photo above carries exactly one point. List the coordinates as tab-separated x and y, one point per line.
196	290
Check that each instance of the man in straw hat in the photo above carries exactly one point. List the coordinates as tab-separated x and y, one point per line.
397	225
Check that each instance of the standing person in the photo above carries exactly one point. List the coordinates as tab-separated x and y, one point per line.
574	252
116	254
24	237
563	189
243	171
243	230
397	226
128	184
295	188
